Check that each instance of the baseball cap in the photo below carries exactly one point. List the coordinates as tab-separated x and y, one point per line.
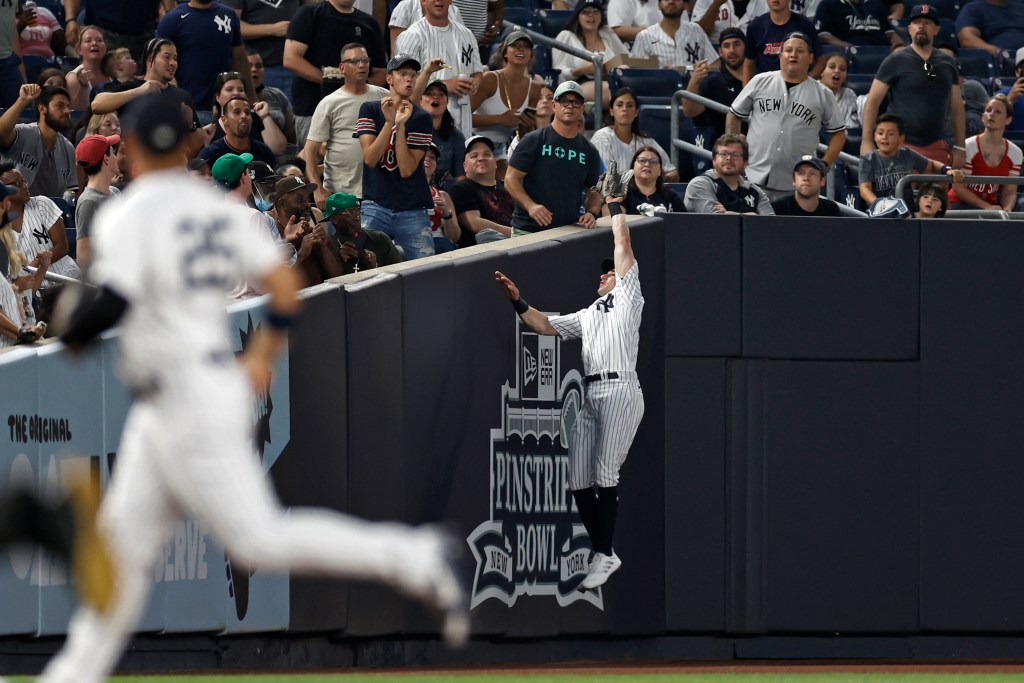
731	32
925	12
230	167
400	60
812	160
607	265
437	84
339	201
197	164
290	184
93	148
157	122
260	172
568	87
479	138
1020	57
514	36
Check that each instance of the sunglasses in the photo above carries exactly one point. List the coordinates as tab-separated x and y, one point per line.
930	70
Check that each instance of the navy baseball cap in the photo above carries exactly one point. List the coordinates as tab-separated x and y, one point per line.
158	123
810	160
731	32
400	60
607	265
924	12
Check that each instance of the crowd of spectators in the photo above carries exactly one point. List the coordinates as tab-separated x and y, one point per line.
361	135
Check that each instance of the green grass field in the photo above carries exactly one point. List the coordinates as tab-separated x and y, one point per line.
548	677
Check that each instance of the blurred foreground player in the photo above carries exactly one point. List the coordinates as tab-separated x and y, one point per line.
614	403
163	267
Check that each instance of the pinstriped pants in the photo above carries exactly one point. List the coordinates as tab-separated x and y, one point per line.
604	432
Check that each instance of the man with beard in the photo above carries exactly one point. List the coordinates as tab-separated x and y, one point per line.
786	110
334	122
723	189
808	179
721	86
209	40
316	254
236	120
923	85
46	158
676	43
482	205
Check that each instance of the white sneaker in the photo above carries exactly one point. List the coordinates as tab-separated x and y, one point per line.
603	567
447	596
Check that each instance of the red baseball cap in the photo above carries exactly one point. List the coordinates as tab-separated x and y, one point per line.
93	148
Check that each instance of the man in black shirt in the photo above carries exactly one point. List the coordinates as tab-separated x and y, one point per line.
808	179
721	86
315	37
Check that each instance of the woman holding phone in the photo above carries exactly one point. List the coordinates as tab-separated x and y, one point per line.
506	102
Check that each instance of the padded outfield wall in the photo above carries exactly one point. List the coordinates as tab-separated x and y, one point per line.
828	463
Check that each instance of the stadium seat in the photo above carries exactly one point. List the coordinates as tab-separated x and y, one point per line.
678	189
866	59
34	64
518	4
551	22
519	14
859	83
975	63
647	82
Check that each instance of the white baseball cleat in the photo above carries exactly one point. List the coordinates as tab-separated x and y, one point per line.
603	567
447	595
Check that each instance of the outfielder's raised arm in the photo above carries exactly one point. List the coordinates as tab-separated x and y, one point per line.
623	254
537	321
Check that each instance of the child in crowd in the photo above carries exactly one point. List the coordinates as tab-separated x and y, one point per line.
881	169
931	201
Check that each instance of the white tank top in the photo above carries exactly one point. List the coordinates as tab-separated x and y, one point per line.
494	105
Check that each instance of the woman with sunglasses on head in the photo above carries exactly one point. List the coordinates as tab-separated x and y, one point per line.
620	141
588	30
86	79
989	153
264	129
646	188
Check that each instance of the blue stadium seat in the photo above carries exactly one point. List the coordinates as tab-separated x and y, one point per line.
655	120
679	189
551	22
976	63
518	4
647	82
859	83
34	64
68	214
865	59
519	14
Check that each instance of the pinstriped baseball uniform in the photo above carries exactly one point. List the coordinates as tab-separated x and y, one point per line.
40	215
689	45
408	12
457	46
612	409
10	306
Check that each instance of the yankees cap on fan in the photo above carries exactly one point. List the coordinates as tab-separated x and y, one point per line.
400	60
157	123
291	183
479	138
261	172
568	87
811	160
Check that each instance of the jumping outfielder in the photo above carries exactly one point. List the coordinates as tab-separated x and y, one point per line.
614	403
165	254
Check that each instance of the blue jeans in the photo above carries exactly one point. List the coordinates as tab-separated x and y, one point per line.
409	229
278	77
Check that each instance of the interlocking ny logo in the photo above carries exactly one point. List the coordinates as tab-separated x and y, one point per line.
467	54
850	200
693	52
750	200
608	303
223	23
699	140
41	235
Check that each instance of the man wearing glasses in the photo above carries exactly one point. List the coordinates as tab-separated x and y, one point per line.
554	170
723	189
923	85
334	121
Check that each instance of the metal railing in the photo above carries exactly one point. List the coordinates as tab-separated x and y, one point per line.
54	277
677	144
595	58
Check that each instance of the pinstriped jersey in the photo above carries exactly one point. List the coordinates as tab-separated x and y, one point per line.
383	184
457	45
10	306
687	47
39	216
610	327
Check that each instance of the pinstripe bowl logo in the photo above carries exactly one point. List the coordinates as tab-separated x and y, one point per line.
534	543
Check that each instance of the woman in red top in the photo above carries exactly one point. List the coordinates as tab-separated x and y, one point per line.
989	153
